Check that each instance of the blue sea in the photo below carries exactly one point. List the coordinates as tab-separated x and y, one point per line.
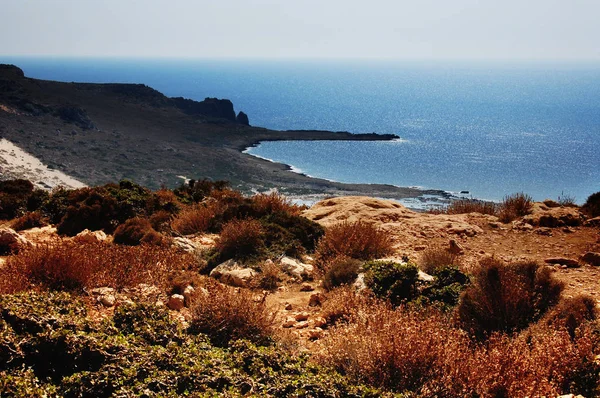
488	128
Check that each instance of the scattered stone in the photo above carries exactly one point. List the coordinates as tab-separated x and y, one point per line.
315	300
288	306
231	273
11	241
359	284
87	236
306	288
102	291
188	294
568	230
145	291
319	322
495	225
545	231
420	248
184	244
551	203
301	325
296	269
425	277
176	302
301	316
569	262
289	322
107	300
522	226
315	333
591	258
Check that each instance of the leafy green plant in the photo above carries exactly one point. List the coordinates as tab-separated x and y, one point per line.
390	280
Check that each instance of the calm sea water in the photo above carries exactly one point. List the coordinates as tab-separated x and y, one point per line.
490	129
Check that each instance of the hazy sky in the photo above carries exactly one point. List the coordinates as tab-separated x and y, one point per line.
438	29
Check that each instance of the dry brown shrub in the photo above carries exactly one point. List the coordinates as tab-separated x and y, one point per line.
342	303
195	218
507	297
73	266
275	202
135	231
358	240
270	275
420	352
161	221
436	257
463	206
240	238
29	220
226	314
340	271
571	313
515	206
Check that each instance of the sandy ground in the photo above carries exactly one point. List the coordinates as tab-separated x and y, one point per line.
16	163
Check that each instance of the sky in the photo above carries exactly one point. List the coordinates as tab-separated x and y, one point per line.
396	29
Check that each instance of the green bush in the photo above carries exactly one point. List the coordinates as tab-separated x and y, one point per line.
394	281
341	271
507	298
449	282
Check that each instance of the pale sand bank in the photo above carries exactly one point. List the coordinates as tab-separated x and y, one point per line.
16	163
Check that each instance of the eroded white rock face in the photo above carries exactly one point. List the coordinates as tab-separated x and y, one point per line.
11	241
296	268
233	274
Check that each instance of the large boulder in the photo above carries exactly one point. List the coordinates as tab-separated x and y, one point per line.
553	217
295	268
11	241
591	258
87	236
184	244
233	274
242	118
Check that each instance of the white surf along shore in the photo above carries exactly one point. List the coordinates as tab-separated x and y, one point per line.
16	163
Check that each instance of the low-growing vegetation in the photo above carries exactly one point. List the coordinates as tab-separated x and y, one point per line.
463	206
341	271
591	207
515	206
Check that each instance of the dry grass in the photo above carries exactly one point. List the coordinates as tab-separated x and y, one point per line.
463	206
73	266
359	240
274	202
343	303
240	238
270	276
515	206
436	257
421	353
195	219
226	314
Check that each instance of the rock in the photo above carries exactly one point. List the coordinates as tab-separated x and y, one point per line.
419	248
301	316
545	231
301	325
591	258
289	322
176	302
75	115
455	247
11	241
231	273
315	333
107	300
425	277
102	291
184	244
87	236
242	118
569	262
593	222
553	217
523	226
465	229
288	307
495	224
315	300
551	203
146	291
188	294
359	284
306	288
319	322
295	268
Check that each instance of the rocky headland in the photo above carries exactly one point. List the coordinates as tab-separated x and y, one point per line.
98	133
